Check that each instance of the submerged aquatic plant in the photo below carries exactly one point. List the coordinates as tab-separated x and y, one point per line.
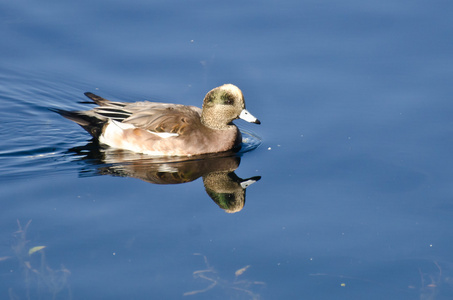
210	275
40	280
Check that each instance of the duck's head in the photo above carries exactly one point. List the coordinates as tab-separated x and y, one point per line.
224	104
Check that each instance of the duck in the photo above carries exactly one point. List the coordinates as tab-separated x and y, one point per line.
166	129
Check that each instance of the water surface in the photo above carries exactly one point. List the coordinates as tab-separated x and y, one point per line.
354	170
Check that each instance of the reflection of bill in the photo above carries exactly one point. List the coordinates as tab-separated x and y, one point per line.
217	171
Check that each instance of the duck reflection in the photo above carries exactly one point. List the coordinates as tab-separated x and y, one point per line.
217	170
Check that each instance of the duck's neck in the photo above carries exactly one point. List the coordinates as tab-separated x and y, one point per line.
216	124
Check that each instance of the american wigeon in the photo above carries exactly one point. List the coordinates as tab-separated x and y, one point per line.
167	129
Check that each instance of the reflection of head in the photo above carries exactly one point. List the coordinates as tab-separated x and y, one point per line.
226	190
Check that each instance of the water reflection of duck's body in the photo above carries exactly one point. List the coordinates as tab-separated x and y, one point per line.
220	182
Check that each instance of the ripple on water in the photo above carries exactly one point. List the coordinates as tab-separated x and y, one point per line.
250	141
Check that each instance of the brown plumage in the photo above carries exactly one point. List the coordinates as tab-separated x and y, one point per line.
167	129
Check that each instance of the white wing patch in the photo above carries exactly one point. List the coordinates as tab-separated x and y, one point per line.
164	134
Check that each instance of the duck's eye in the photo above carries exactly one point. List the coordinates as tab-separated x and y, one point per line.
227	99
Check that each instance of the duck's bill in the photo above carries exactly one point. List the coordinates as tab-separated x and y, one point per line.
246	116
245	183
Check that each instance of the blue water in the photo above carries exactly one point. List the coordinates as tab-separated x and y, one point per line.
354	153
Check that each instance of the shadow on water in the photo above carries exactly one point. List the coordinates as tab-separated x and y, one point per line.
221	183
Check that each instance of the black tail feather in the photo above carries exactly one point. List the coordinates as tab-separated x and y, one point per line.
97	99
92	124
